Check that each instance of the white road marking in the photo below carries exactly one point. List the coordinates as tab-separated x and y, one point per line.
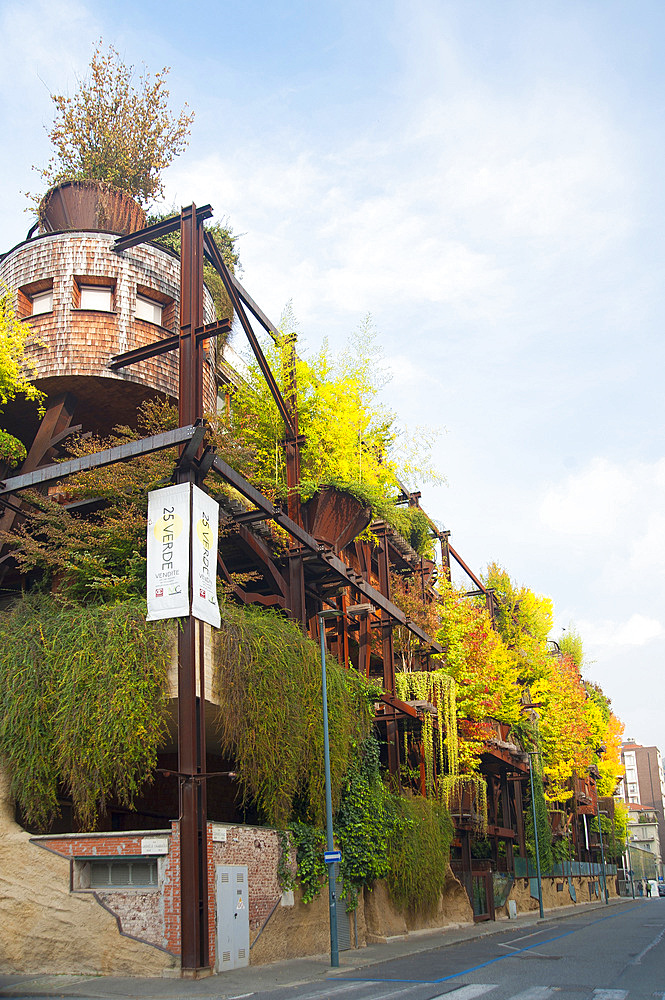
400	990
610	994
40	984
467	992
327	991
522	937
658	938
535	993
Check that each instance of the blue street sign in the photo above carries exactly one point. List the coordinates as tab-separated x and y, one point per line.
330	857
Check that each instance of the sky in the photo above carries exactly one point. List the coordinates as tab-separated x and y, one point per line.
483	178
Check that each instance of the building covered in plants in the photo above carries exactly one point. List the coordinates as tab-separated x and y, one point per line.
447	705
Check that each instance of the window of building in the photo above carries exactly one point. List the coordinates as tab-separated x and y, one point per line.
134	873
149	310
35	299
42	302
97	297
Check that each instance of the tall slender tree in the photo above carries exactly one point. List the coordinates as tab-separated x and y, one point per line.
116	129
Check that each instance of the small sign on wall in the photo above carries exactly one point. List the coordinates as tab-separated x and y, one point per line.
218	833
154	845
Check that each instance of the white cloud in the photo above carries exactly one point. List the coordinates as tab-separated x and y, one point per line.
463	199
646	552
638	630
590	503
44	45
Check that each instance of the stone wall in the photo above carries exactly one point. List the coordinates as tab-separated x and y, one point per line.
553	897
304	929
44	927
49	922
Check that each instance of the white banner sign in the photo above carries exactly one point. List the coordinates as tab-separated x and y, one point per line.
168	552
171	511
205	519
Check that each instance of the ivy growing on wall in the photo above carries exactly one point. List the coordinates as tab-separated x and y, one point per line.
382	835
364	823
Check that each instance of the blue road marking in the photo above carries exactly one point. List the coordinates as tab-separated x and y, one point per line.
483	965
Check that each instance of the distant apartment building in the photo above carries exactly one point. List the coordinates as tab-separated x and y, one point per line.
644	791
645	858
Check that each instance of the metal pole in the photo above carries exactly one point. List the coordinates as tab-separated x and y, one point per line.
535	834
602	851
630	868
334	948
191	711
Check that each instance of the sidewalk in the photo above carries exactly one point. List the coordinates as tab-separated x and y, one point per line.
295	972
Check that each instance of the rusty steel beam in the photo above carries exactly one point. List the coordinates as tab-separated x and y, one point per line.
158	229
191	714
165	345
133	449
388	656
256	310
144	353
309	542
399	705
55	426
458	559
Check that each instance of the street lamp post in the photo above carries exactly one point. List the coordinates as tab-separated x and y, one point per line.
334	946
535	834
602	851
330	847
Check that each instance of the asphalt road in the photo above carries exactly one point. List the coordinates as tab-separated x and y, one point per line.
614	953
618	955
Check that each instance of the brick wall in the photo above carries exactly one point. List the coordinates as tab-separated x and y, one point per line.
258	848
150	915
153	915
74	342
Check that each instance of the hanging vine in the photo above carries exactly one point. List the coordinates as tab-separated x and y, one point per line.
439	689
267	681
441	756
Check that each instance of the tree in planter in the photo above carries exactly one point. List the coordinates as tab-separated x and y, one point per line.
349	437
115	131
523	620
98	558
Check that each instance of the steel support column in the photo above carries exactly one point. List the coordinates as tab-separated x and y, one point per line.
392	734
191	708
